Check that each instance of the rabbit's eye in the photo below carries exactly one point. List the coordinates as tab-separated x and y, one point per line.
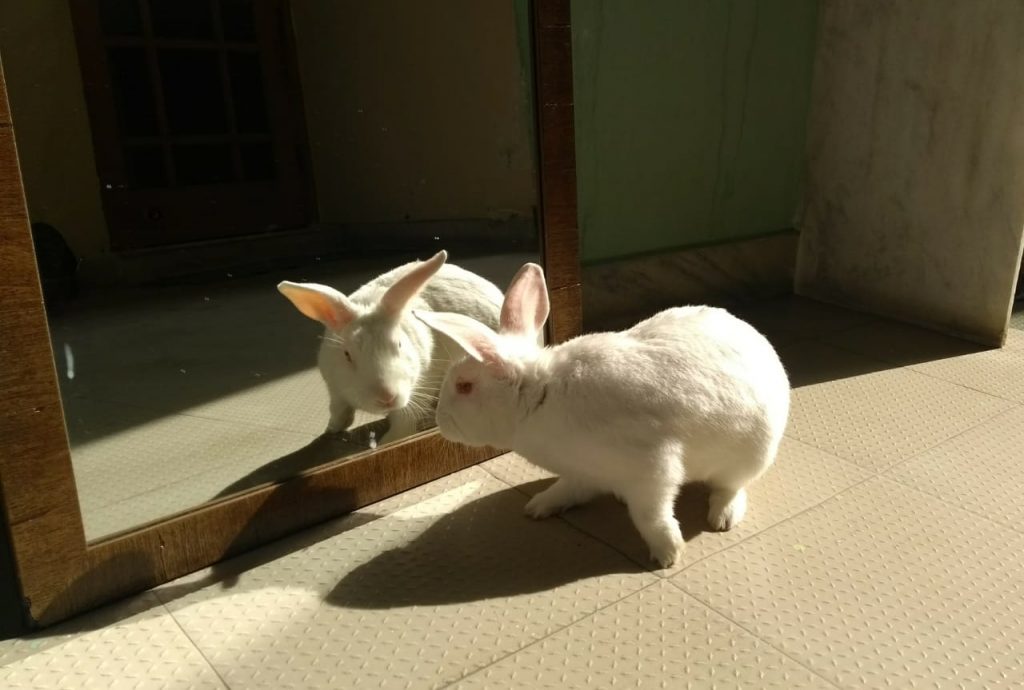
463	387
348	356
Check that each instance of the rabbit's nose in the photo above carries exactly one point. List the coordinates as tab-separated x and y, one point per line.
386	399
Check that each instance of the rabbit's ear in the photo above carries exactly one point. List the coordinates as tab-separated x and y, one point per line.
320	303
479	341
398	296
526	305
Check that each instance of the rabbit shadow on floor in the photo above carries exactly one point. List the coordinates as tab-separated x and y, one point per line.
487	548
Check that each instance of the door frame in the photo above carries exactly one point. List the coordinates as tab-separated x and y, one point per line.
59	573
242	206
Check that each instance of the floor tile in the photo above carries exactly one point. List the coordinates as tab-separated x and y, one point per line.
427	593
881	586
164	454
167	362
131	645
516	471
801	477
167	450
1015	339
20	647
996	371
657	638
900	343
296	402
883	416
1017	318
792	318
809	362
981	470
225	574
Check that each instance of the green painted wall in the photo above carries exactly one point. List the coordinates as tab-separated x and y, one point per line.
690	120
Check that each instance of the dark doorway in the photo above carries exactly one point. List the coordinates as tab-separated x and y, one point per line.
196	118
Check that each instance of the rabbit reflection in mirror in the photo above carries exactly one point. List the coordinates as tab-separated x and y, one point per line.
375	356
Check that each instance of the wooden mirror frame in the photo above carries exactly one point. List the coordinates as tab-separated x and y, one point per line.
59	573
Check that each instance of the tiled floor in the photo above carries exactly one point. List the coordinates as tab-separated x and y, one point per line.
883	550
1017	317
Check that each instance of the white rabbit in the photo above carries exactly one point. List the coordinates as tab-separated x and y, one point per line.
691	393
377	358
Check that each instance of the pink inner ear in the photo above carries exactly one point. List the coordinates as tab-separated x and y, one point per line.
479	341
315	302
331	319
526	305
511	319
319	308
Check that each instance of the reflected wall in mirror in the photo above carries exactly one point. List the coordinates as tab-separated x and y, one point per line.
182	158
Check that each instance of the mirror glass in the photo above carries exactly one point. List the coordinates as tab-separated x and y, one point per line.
214	188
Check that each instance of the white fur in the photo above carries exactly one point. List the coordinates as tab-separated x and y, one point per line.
692	393
394	352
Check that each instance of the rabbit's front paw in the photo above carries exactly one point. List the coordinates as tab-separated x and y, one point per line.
342	417
666	548
541	506
557	498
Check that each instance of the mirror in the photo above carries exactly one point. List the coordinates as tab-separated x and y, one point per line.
182	158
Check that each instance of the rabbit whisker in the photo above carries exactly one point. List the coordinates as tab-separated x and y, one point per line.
418	408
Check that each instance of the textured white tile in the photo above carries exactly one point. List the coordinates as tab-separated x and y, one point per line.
297	402
225	575
516	471
801	477
143	649
901	344
793	318
877	415
438	587
881	586
160	467
996	371
982	470
657	638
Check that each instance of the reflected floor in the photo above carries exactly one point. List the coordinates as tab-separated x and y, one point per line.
883	549
180	394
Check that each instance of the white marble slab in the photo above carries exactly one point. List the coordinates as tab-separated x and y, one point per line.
914	201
